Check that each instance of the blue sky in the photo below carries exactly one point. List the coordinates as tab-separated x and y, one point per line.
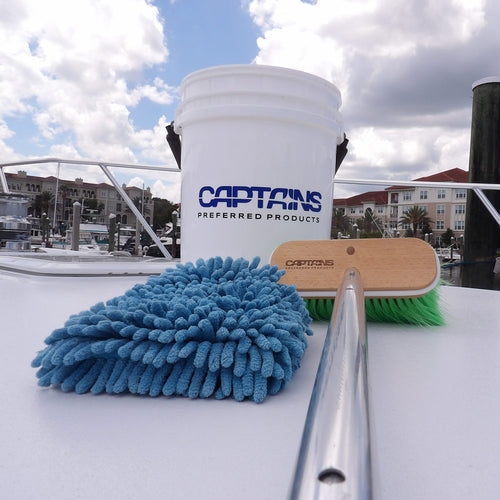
94	79
194	44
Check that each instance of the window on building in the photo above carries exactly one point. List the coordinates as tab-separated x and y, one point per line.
459	209
407	195
360	211
459	225
461	194
441	194
423	195
423	207
440	210
380	210
440	224
353	210
118	207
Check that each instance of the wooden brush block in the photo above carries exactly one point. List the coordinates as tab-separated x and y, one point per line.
405	266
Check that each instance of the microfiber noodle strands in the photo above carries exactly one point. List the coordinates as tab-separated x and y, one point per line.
222	328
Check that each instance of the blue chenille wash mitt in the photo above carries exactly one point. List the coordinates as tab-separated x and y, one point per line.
222	328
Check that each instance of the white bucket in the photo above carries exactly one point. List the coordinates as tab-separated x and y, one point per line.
258	159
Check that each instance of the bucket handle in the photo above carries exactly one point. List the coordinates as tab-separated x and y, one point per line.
341	153
174	141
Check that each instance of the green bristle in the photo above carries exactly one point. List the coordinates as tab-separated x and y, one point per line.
423	311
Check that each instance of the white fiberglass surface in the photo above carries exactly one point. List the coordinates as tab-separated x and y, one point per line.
433	394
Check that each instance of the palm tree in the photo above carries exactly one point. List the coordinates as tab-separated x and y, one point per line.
415	217
340	222
369	224
42	203
63	191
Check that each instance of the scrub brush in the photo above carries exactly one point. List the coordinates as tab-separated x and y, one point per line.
334	460
400	276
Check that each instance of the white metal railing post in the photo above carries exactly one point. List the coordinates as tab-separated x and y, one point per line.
487	203
3	181
135	211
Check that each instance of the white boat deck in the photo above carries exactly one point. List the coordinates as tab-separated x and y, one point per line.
435	412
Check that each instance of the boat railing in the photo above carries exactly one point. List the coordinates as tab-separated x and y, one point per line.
105	167
477	187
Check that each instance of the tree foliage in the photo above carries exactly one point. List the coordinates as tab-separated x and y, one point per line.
447	236
370	225
416	217
340	222
163	212
42	203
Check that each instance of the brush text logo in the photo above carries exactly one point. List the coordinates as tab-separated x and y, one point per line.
309	263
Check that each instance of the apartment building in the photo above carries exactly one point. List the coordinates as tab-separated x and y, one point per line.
98	200
445	207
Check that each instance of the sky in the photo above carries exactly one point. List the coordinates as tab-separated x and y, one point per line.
99	79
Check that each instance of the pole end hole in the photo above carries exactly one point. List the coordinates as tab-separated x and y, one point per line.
331	476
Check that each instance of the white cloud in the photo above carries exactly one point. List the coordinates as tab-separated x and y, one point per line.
72	65
137	182
404	69
168	190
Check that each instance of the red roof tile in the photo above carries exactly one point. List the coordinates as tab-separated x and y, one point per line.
452	175
378	197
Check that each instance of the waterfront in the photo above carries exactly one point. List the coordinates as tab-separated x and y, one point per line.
453	276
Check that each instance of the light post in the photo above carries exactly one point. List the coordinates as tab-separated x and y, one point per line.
112	229
356	230
118	226
175	216
45	226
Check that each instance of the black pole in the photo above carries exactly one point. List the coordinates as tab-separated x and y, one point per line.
112	230
482	234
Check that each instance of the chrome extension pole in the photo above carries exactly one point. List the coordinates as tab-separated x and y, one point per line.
334	459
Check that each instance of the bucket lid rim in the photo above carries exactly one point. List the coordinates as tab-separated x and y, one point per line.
251	68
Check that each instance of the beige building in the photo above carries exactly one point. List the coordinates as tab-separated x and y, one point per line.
446	207
98	200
